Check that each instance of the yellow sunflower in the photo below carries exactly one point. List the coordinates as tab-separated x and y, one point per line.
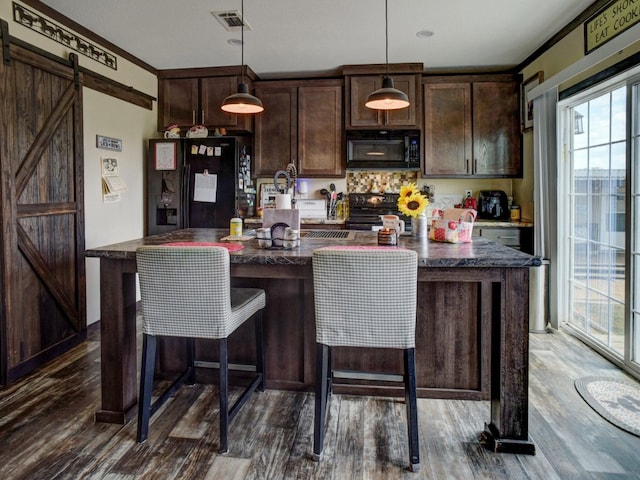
412	204
408	190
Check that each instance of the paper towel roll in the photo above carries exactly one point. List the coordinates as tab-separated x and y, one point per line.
283	201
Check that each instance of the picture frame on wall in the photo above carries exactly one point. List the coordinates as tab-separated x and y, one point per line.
526	105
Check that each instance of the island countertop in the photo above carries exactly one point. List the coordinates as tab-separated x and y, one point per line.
480	253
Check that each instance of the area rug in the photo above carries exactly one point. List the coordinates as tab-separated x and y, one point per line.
615	400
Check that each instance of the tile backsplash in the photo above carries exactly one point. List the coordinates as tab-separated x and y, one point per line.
444	201
367	181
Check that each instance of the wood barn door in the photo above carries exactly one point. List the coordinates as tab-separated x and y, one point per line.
42	236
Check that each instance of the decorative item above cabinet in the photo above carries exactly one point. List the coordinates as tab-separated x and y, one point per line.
471	126
188	97
362	80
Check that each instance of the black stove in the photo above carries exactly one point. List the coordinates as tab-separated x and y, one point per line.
365	210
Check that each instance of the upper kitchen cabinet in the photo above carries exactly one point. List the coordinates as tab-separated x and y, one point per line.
187	97
362	80
301	124
471	126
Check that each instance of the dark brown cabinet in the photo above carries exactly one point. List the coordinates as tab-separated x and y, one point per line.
301	124
194	96
178	102
472	127
359	87
520	238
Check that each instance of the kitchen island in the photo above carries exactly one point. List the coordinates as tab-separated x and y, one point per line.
471	329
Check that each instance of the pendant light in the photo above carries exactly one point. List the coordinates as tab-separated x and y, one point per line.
242	102
387	97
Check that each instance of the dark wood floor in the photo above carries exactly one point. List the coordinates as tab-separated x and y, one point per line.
47	431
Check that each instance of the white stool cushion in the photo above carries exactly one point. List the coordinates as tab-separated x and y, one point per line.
365	297
186	292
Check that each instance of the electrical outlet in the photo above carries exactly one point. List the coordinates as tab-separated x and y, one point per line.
468	193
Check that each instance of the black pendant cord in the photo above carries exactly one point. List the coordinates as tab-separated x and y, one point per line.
386	34
242	40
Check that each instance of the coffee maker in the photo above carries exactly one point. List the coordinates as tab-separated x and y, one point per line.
493	205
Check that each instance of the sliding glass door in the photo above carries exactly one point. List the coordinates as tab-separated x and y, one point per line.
601	233
633	328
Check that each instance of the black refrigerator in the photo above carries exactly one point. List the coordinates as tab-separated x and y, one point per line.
198	183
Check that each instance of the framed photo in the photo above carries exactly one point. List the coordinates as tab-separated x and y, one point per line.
526	105
165	155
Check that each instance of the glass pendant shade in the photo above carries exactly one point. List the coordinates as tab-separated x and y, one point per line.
242	102
387	97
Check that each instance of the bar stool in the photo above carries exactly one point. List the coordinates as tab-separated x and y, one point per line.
365	297
186	292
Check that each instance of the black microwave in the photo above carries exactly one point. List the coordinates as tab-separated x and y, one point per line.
383	149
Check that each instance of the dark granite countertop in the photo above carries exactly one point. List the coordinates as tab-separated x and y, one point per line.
480	253
482	223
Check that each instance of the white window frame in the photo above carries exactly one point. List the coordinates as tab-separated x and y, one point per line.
564	220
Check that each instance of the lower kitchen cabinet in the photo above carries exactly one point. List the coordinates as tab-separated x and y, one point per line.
520	238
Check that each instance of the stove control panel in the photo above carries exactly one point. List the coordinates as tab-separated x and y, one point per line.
372	199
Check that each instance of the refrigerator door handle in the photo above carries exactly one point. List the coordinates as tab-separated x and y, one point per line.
186	177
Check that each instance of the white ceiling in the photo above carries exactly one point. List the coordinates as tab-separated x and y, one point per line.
291	36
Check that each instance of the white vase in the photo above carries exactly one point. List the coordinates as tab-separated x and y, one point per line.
419	226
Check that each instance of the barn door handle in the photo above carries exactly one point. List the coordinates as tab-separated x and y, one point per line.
6	51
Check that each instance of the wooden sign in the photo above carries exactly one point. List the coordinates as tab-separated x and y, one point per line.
108	143
610	22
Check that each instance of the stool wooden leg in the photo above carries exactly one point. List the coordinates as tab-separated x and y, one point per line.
146	385
322	368
224	397
259	348
412	408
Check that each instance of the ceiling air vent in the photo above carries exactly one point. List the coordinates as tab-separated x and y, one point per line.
231	20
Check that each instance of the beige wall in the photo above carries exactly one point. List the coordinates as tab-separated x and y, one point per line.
562	55
107	223
107	116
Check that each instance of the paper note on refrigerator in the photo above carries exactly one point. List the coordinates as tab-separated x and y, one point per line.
205	188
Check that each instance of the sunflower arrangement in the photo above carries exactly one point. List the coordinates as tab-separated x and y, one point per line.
411	202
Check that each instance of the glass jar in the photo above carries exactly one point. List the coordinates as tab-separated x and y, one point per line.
387	237
515	213
264	237
291	238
